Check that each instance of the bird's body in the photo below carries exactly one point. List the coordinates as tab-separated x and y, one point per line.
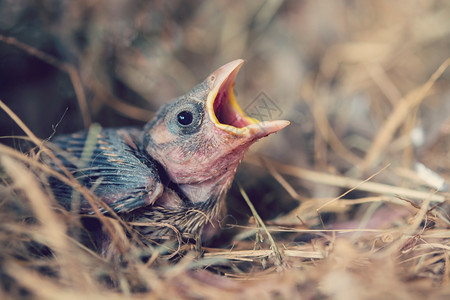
132	183
172	174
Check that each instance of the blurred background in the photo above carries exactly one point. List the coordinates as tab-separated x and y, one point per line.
365	85
336	69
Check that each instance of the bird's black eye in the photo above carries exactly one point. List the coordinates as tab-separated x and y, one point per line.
185	117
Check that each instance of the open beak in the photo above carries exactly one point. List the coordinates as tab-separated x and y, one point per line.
225	112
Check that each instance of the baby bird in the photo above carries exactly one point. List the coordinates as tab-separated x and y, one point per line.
174	172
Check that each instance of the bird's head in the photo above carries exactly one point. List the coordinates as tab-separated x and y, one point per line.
203	135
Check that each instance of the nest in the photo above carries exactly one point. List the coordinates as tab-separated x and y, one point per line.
349	202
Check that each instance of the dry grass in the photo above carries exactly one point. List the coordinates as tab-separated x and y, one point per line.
349	202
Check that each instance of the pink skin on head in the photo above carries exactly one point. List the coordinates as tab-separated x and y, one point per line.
207	160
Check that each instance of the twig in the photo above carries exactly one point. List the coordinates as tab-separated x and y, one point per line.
239	254
347	182
278	177
86	193
352	189
398	116
259	221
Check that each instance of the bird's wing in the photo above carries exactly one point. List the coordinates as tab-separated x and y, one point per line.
111	165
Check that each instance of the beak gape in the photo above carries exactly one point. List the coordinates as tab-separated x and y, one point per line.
225	112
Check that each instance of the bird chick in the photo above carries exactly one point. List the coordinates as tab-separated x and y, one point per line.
176	170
